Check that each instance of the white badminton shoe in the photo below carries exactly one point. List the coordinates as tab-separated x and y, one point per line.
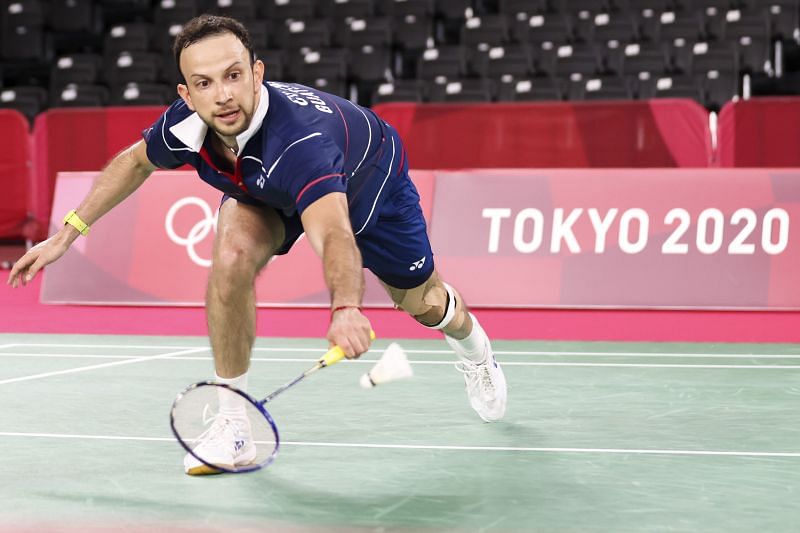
486	387
227	443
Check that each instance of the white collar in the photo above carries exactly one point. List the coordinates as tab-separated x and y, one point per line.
191	131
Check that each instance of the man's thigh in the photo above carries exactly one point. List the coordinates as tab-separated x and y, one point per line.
258	231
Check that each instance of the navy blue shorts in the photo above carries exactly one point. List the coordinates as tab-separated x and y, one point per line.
394	245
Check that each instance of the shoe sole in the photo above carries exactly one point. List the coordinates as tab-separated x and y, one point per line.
205	470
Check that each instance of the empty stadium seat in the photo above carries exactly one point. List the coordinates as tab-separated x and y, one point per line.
398	8
442	62
74	95
462	90
239	9
169	12
282	10
142	94
344	10
399	91
24	42
304	34
673	86
515	60
540	28
327	63
602	88
75	68
127	67
533	89
574	60
358	32
488	30
73	16
128	38
370	63
28	100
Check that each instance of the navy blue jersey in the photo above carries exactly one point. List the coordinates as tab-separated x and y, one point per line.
301	144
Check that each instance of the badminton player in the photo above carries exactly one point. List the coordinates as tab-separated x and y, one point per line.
288	160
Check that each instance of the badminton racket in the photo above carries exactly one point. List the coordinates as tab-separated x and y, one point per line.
195	411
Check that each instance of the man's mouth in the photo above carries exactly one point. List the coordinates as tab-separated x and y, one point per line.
229	116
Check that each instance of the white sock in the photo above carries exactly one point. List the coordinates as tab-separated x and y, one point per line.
474	346
231	405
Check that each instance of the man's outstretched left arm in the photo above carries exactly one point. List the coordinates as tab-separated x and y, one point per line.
327	226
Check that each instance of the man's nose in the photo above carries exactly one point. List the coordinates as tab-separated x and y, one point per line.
223	93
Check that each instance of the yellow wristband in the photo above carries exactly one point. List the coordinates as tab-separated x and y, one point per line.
75	221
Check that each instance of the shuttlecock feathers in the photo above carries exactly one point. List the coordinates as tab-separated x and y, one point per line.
392	365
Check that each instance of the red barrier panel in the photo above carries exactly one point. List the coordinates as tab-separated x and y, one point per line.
760	132
657	133
15	174
81	140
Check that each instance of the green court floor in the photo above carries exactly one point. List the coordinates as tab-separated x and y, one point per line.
597	437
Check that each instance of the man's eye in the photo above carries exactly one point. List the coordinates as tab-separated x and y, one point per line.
203	84
235	75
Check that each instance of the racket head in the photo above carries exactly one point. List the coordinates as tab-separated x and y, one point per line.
196	409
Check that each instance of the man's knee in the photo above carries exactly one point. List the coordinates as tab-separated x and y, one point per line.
234	267
433	304
234	259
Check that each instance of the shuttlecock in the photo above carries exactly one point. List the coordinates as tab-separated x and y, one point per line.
392	365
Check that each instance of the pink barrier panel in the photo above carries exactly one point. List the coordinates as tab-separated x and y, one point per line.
658	133
155	249
15	174
81	140
702	238
761	132
695	239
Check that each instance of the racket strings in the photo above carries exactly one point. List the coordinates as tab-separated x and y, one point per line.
205	423
221	426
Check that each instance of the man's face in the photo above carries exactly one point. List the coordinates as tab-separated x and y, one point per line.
221	85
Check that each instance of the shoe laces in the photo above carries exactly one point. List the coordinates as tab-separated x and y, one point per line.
478	376
220	430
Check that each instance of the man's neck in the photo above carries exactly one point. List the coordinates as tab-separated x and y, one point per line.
229	143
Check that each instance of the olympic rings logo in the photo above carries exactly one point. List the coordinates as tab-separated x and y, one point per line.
197	233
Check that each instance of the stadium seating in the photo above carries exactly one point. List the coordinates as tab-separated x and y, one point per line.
386	50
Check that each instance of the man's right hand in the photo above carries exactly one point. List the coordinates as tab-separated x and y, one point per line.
37	257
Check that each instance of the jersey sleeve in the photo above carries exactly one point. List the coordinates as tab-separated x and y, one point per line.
310	169
163	149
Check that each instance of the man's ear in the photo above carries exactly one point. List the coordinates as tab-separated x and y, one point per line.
183	92
258	74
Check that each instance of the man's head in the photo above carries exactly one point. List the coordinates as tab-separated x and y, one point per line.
222	77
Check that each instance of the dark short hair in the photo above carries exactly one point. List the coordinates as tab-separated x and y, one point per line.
206	26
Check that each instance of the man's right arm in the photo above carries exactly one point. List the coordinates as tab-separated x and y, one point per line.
122	176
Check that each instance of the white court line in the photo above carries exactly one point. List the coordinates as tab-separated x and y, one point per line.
435	447
433	352
102	365
539	363
449	362
67	355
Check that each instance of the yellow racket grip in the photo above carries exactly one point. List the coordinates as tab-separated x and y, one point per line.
336	354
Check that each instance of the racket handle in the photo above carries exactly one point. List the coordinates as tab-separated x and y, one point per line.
336	354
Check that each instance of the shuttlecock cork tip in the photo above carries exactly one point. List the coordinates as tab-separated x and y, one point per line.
366	381
392	365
